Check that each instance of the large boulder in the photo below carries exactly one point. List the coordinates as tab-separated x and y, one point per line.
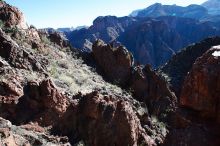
11	16
116	62
201	87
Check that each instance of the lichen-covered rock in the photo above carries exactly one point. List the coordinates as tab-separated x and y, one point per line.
201	87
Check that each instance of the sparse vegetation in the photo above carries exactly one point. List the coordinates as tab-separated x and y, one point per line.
1	24
11	30
45	39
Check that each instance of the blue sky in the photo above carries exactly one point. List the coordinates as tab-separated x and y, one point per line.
68	13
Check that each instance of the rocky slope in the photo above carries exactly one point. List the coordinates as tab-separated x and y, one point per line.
193	119
46	90
51	97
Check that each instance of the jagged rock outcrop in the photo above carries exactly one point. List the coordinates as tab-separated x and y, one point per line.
197	117
146	85
11	16
42	102
17	56
150	88
177	68
59	39
106	117
10	91
12	135
107	120
201	87
116	62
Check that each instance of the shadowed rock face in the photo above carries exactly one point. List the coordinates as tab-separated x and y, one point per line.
116	62
198	99
58	39
11	16
45	98
40	102
201	87
150	88
179	65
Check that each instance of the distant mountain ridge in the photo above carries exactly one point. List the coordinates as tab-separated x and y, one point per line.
157	10
152	34
212	6
147	38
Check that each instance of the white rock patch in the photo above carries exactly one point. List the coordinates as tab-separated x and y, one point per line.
216	53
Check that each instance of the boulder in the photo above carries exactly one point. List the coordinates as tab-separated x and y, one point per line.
201	87
115	62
